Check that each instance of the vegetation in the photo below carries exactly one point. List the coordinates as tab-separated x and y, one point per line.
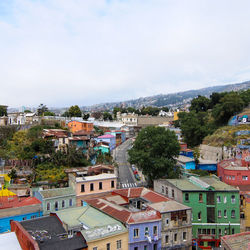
154	152
42	109
3	111
208	114
73	111
107	116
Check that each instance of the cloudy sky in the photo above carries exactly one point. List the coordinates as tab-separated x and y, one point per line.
66	52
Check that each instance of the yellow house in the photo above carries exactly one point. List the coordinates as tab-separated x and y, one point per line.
100	230
176	116
245	211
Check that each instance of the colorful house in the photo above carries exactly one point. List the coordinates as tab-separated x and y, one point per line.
208	165
75	126
110	139
99	230
186	162
17	208
120	136
56	199
215	206
132	207
236	241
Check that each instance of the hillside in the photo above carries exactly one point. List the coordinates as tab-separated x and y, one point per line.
174	99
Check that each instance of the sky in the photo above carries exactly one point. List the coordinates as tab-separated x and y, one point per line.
67	52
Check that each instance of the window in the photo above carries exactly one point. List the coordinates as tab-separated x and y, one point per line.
175	237
208	231
91	186
173	193
219	213
199	216
199	231
200	198
225	213
100	185
155	246
218	199
166	190
146	231
119	244
108	246
145	247
232	230
166	239
135	248
186	197
225	199
63	203
167	222
82	188
162	189
48	206
112	184
94	248
219	231
204	231
155	230
244	177
233	177
136	233
33	216
233	199
184	235
213	231
233	214
56	205
70	202
25	218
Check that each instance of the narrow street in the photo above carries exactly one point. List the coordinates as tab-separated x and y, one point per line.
126	178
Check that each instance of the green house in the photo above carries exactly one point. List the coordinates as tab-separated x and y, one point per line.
215	206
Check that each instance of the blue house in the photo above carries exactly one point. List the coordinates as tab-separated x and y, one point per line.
186	162
110	139
207	165
18	209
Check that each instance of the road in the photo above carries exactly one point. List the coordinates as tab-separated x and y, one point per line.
126	178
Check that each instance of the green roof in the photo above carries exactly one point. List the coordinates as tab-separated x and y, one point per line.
202	184
95	223
56	192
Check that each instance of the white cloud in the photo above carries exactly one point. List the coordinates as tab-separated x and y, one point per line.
62	52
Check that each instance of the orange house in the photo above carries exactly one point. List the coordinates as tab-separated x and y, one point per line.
75	126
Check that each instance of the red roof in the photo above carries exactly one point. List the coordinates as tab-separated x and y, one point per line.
14	201
155	197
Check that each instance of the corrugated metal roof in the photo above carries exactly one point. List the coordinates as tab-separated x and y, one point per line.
55	192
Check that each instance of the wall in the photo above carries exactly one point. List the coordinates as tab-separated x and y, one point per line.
102	243
142	241
75	126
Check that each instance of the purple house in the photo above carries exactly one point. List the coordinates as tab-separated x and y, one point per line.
131	207
110	139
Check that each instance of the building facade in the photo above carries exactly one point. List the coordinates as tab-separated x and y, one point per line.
215	206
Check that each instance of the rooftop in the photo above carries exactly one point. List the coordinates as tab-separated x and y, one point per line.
96	177
203	183
170	206
56	192
49	233
233	164
106	136
237	241
10	240
184	159
95	223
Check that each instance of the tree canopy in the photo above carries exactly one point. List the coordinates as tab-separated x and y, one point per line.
42	109
73	111
3	110
154	152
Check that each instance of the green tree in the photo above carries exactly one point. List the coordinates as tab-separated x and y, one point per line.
3	110
41	109
48	113
107	116
74	111
85	117
154	152
13	174
245	96
199	104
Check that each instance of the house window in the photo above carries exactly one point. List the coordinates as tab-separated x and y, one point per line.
204	231
48	206
244	177
166	190
162	189
94	248
233	214
167	222
108	246
100	185
186	197
184	235
213	231
219	231
208	231
155	230
225	213
199	231
155	246
166	239
175	237
70	202
135	248
56	205
119	244
63	203
82	188
91	186
200	198
112	184
146	231
199	216
25	218
136	233
233	177
173	193
145	247
232	230
233	199
219	213
225	199
218	199
33	216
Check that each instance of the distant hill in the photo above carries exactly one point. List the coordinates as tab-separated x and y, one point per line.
175	99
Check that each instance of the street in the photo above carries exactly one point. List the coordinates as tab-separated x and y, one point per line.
126	178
